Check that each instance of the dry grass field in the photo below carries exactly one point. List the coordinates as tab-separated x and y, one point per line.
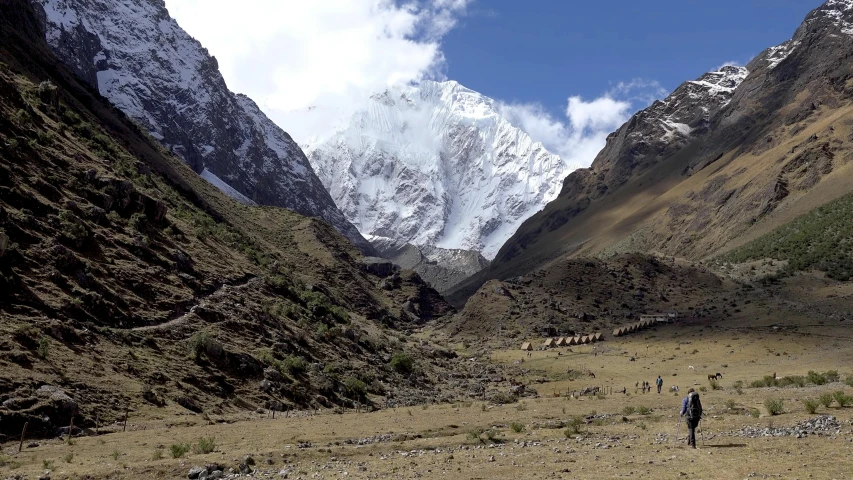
614	435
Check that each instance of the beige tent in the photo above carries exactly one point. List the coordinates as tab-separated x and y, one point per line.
561	342
577	340
549	343
597	337
527	346
570	341
585	339
617	332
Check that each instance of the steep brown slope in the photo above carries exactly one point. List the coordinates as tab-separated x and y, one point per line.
780	146
126	281
580	296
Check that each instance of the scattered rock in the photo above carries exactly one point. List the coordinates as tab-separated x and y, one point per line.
195	472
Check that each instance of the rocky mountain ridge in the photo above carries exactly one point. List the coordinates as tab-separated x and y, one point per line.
139	58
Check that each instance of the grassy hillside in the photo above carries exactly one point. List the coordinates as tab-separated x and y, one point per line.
127	282
819	240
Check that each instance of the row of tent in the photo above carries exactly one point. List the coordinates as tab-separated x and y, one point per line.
634	327
565	341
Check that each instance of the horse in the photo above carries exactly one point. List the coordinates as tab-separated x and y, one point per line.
719	376
591	374
712	377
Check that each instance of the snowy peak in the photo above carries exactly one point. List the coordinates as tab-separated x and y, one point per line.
140	59
435	165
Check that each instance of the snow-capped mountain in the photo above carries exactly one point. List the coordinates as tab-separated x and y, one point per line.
435	165
140	59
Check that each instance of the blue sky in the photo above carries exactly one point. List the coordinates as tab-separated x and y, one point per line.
547	50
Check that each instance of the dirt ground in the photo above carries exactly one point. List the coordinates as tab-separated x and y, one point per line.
440	440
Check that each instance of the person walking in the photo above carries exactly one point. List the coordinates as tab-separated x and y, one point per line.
691	410
659	383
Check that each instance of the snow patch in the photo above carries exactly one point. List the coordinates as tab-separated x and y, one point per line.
225	188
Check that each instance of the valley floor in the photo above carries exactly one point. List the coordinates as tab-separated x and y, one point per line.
528	439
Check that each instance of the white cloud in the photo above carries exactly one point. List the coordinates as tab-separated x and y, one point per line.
579	136
731	63
292	54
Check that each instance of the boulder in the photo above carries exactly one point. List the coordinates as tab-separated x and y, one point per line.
195	472
4	242
57	396
378	266
273	375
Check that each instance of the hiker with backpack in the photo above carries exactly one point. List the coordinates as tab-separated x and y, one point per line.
659	383
691	408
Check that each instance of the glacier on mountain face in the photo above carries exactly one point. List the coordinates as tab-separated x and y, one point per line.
435	165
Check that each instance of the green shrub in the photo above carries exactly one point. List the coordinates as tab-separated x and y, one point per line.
47	464
72	228
23	116
198	344
831	376
815	378
516	427
521	406
205	445
644	410
703	389
628	410
43	349
810	405
69	457
849	381
826	399
178	450
157	455
796	380
294	365
138	222
115	455
754	413
356	387
503	398
402	363
842	398
715	384
574	426
731	404
774	406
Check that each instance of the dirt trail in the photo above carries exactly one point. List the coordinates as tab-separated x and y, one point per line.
241	283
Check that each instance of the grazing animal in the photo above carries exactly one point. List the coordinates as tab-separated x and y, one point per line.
712	377
719	376
673	388
591	374
691	368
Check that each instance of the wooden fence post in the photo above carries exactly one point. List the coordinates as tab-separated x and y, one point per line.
70	429
126	413
23	434
97	416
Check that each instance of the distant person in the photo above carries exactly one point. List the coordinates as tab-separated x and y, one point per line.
691	408
659	383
